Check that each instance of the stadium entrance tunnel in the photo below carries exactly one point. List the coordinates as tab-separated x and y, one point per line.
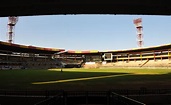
72	66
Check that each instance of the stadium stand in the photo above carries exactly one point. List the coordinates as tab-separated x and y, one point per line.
85	59
155	56
15	56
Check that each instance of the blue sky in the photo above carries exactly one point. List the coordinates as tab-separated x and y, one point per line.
88	32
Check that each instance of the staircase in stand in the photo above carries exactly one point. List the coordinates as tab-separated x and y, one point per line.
144	63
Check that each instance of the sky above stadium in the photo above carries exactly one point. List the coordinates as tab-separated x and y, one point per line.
88	32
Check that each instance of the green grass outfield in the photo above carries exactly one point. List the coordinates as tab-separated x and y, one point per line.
85	79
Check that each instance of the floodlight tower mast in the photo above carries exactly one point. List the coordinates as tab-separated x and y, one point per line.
12	20
139	28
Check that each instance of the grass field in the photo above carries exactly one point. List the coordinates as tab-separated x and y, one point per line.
85	79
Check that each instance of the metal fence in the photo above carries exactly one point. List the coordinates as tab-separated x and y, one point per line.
60	97
52	100
117	99
26	97
142	91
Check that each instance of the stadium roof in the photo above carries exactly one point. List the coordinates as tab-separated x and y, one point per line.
143	49
87	52
51	7
5	46
134	50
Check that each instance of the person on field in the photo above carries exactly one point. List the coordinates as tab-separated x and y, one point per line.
61	65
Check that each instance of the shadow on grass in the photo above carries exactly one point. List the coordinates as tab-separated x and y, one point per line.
68	80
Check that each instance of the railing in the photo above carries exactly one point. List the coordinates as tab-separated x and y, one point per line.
117	99
59	97
27	97
142	91
29	93
52	100
87	97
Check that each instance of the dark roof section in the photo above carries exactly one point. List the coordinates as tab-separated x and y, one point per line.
78	52
58	7
5	46
133	50
143	49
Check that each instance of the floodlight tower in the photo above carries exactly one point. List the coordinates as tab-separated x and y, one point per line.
12	20
139	28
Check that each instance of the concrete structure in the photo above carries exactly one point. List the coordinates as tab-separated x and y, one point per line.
52	7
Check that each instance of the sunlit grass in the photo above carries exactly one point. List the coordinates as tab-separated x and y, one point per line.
80	79
116	70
